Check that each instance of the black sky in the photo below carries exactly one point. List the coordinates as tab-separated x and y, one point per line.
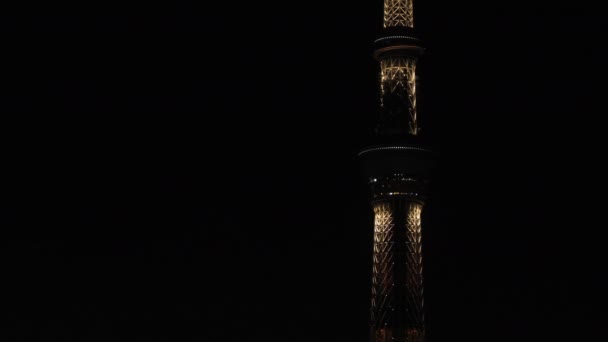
185	171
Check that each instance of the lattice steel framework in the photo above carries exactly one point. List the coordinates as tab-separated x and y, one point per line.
398	81
398	13
414	288
398	166
383	262
397	292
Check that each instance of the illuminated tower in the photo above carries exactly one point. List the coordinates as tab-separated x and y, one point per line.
397	165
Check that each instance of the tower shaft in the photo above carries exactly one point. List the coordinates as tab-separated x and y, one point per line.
397	165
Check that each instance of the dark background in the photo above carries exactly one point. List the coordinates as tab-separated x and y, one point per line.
186	171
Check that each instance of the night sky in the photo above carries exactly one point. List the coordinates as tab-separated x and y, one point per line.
186	171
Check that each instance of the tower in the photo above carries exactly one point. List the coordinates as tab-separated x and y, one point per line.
397	165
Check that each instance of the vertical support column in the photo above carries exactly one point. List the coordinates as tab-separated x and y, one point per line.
397	304
383	272
413	281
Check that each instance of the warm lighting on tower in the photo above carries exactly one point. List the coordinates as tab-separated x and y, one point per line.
398	166
398	13
398	76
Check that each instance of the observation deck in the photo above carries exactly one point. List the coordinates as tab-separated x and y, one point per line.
389	159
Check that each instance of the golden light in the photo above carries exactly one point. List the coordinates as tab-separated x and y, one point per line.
386	276
398	76
398	13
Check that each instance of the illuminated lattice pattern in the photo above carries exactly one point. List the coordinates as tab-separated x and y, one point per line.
398	79
413	287
382	279
398	13
397	304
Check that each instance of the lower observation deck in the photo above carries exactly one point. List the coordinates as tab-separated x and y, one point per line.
397	186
